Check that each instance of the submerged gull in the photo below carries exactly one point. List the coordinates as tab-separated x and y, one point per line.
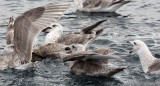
93	63
149	63
100	5
27	27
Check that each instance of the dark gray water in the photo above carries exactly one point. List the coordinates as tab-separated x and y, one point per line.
136	20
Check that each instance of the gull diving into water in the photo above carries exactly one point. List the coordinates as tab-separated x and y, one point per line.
100	5
26	28
149	63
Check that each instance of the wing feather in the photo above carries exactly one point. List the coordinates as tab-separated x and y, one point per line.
28	25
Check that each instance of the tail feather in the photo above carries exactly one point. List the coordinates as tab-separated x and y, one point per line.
115	70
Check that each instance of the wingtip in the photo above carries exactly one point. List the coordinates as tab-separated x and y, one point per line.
93	26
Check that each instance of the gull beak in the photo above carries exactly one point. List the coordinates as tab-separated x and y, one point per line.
131	51
47	30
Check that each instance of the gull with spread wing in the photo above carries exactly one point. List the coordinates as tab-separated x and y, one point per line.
27	27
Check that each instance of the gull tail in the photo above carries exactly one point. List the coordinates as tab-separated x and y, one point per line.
113	71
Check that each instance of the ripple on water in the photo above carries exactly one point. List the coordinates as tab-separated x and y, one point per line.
136	20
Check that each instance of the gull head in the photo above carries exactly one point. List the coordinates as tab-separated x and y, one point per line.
53	26
137	45
75	48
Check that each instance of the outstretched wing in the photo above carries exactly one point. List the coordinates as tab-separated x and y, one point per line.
31	23
89	29
89	55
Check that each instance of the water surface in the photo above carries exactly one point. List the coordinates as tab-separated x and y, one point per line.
136	20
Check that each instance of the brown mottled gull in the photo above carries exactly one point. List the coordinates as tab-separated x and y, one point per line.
82	36
93	63
100	5
27	27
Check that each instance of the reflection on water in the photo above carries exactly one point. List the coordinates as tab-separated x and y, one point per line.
136	20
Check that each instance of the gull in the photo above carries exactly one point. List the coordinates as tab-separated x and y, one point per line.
83	35
100	5
93	63
150	64
27	26
83	38
60	50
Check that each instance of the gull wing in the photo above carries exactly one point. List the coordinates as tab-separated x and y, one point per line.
91	3
104	51
78	56
119	1
88	55
75	38
28	25
154	67
80	38
91	27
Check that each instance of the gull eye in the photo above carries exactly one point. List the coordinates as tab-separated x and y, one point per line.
67	48
73	46
53	25
135	43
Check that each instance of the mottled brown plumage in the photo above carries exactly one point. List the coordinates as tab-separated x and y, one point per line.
100	5
28	25
93	63
26	28
82	36
53	50
154	67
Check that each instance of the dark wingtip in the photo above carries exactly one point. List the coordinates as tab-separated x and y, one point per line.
98	32
91	27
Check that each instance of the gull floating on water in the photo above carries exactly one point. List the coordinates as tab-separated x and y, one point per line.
83	38
27	27
100	5
83	35
149	63
59	50
93	63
